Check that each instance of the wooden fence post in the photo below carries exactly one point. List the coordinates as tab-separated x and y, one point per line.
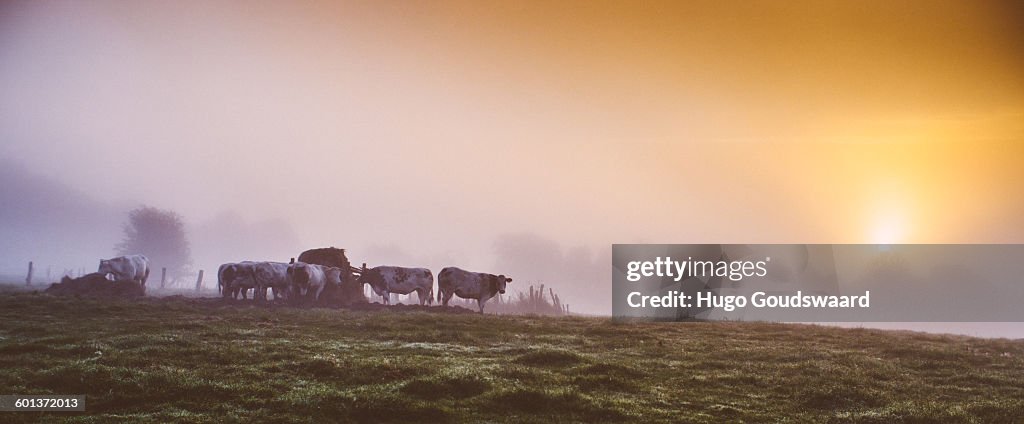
28	279
163	276
540	301
199	281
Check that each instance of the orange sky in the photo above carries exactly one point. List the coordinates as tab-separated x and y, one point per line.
588	123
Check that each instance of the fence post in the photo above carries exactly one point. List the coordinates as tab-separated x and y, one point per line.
540	300
163	276
28	279
199	281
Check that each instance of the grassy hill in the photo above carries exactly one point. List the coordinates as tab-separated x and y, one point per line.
202	360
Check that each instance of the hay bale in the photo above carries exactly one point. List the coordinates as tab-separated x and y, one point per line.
96	285
351	291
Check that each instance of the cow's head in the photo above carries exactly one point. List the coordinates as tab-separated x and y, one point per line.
332	276
227	277
298	274
499	283
106	268
371	277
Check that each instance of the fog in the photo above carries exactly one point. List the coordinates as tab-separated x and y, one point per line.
520	140
63	230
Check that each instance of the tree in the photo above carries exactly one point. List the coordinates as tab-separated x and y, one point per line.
160	235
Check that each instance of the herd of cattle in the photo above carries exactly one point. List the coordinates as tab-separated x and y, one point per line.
300	282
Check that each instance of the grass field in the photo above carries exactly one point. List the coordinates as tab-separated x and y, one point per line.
202	360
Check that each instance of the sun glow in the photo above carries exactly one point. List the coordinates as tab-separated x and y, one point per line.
889	227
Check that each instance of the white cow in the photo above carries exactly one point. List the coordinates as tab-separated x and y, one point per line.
223	281
385	280
469	285
126	268
273	275
307	281
236	278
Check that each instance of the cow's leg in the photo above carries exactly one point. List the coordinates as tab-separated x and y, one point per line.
420	293
480	304
387	297
447	297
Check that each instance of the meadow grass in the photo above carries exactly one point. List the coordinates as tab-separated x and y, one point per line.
206	360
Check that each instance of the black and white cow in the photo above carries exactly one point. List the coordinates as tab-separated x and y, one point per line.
385	280
307	281
126	268
469	285
236	278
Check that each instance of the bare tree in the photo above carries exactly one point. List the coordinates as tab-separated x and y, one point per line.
160	235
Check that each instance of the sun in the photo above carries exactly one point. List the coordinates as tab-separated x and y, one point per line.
889	227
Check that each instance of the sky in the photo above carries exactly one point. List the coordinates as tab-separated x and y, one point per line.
478	133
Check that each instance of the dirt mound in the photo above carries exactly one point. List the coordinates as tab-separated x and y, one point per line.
96	285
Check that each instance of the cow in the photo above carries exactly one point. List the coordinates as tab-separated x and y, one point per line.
223	282
349	291
307	281
273	275
126	268
236	278
469	285
385	280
